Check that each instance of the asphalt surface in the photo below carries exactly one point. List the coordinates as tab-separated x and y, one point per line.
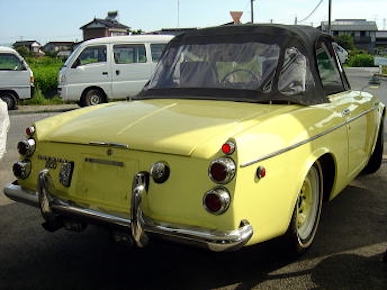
346	254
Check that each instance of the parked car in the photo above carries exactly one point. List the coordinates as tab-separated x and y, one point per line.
110	68
4	126
16	78
240	136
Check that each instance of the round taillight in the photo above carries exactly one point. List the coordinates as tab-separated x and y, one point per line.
160	172
222	170
26	147
30	131
228	148
22	169
217	200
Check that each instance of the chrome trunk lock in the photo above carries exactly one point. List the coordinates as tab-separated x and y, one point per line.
139	188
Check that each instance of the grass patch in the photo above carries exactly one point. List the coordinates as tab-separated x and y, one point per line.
384	69
46	70
39	99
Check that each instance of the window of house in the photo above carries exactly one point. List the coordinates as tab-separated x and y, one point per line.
157	50
93	54
329	73
9	61
129	53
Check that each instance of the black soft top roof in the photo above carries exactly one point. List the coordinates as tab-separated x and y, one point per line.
304	38
305	34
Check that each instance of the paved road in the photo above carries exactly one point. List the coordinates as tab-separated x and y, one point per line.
346	253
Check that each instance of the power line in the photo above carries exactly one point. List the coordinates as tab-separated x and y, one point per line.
313	11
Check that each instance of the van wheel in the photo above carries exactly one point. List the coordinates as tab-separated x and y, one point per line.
93	97
9	99
306	214
376	158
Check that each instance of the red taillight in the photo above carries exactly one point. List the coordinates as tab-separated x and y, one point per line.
212	202
217	200
228	148
30	131
218	172
222	170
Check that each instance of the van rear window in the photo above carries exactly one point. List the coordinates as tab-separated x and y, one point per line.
157	51
129	53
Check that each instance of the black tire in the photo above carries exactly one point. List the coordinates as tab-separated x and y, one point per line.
376	158
301	232
9	99
93	97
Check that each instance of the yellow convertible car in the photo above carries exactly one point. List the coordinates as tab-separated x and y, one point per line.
239	137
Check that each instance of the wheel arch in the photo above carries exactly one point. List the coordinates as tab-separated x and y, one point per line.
328	167
14	93
94	88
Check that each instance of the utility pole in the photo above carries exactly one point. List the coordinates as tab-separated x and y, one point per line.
330	17
252	10
178	13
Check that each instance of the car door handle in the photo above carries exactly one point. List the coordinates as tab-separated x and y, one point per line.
105	73
117	72
346	112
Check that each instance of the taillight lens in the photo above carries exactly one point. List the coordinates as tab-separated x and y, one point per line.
26	147
228	148
22	169
30	131
222	170
217	200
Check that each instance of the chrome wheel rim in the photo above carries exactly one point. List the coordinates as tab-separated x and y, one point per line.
308	205
95	100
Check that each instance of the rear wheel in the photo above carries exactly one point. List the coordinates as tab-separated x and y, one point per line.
376	158
9	99
92	97
306	214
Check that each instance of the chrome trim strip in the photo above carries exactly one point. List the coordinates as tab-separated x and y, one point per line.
109	144
291	147
105	162
63	207
17	193
213	240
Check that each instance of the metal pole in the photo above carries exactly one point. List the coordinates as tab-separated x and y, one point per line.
330	17
252	11
178	13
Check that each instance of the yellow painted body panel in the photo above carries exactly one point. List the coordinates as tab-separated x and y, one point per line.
188	135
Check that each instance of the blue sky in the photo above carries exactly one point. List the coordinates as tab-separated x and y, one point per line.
50	20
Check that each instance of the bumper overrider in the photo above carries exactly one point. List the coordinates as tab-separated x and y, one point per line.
138	225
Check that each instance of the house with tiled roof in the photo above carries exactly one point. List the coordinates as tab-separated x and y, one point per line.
104	27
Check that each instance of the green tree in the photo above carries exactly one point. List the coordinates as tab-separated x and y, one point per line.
345	41
23	51
138	31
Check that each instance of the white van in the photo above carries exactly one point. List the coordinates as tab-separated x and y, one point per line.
110	68
16	78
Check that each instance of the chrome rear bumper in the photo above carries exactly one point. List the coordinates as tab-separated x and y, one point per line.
138	224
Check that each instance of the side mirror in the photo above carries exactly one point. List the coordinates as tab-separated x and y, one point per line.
22	66
76	63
